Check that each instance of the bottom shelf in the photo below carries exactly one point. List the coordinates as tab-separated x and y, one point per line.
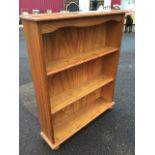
69	125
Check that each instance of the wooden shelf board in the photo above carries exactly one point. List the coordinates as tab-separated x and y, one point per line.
69	125
70	15
77	59
66	98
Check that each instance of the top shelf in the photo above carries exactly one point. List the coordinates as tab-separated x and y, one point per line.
77	59
60	16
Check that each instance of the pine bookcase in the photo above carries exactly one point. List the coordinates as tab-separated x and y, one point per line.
73	59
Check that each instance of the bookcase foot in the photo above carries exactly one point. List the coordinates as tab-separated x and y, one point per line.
51	145
56	148
112	106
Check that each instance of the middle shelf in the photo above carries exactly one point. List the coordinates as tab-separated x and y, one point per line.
68	97
56	66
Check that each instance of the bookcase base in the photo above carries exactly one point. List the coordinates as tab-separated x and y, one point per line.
51	145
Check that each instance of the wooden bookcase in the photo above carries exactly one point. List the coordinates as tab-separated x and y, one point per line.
74	59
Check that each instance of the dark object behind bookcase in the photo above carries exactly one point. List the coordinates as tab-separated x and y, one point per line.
66	2
72	7
94	4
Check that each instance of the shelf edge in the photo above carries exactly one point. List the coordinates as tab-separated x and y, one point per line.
106	83
49	73
91	120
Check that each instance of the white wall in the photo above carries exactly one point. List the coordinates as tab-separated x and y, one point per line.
84	5
124	3
107	2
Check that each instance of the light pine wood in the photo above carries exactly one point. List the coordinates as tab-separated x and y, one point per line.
73	41
82	74
82	22
66	98
39	77
62	16
69	125
77	59
51	145
74	59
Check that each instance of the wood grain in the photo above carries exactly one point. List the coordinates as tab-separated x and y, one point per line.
76	76
51	26
74	59
38	69
70	124
68	41
66	98
77	59
60	16
114	29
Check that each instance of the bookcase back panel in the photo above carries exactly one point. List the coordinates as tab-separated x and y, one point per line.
105	92
82	74
75	77
78	105
72	40
72	118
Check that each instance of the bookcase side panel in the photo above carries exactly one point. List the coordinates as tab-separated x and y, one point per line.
35	53
107	92
114	33
114	38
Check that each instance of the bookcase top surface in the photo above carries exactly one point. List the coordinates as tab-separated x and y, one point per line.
60	16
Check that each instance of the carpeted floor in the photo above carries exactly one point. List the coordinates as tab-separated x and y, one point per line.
113	133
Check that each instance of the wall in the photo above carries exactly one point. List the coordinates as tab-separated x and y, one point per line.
84	5
124	3
116	2
43	5
55	5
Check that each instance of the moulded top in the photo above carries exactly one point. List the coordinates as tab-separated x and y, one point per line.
59	16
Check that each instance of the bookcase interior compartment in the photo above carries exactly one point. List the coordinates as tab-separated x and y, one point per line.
73	118
68	41
72	84
71	46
